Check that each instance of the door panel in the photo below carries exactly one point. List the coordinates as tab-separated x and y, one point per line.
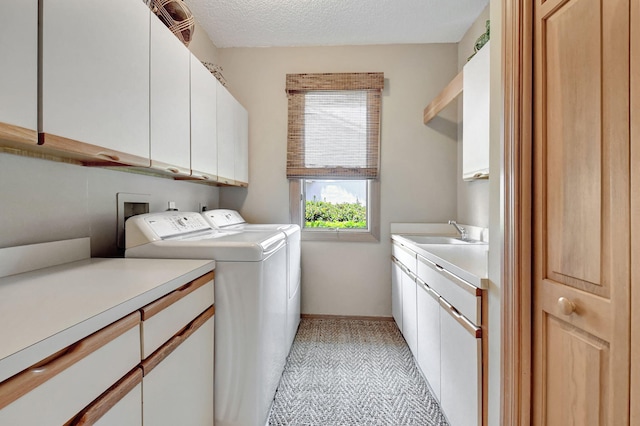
576	357
581	212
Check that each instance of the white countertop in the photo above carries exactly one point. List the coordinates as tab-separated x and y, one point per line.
43	311
469	262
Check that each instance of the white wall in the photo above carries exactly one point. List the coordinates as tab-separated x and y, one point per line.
473	196
47	201
418	168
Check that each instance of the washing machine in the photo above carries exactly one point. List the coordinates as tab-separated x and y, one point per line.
250	299
231	220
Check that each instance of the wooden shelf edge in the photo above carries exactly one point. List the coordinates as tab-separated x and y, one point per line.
444	98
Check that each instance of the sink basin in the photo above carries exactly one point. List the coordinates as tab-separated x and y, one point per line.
434	239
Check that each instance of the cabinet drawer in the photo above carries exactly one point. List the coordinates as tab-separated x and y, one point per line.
163	318
178	379
66	382
120	405
465	297
404	256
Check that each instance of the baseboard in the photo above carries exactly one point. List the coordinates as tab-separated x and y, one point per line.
347	317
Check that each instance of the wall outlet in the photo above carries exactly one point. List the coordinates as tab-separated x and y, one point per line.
202	207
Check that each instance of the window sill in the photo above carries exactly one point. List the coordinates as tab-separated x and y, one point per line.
335	235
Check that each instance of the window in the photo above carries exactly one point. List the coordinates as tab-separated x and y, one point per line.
333	154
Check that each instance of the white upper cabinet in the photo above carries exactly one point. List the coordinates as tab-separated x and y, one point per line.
475	118
242	146
95	78
204	150
19	70
170	102
233	140
227	135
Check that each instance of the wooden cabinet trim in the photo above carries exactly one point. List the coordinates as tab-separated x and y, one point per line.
18	134
92	155
24	382
98	408
460	319
169	169
468	287
165	350
171	298
635	212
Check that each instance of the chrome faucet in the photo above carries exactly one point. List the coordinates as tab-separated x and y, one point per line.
461	230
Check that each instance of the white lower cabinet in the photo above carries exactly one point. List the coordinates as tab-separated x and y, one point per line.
120	405
409	312
428	307
396	292
461	365
440	316
154	366
178	390
178	348
63	384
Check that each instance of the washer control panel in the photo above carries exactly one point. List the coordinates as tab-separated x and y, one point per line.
221	218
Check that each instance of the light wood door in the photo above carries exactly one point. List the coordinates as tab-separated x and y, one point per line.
581	213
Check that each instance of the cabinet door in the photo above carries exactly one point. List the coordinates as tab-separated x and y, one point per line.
204	146
65	383
178	390
582	214
170	102
242	146
19	71
396	293
120	405
95	78
409	317
429	336
227	135
461	372
475	115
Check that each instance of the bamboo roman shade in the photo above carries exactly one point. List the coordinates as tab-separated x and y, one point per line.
334	125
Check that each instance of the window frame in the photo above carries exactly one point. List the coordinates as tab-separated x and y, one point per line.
297	216
297	85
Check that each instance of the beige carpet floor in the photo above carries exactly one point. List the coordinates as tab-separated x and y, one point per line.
352	372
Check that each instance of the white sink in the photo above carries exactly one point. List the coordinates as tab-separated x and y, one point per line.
434	239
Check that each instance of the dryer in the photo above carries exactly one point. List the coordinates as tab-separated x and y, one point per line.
231	220
251	304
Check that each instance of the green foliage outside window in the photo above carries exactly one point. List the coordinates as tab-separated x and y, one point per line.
322	214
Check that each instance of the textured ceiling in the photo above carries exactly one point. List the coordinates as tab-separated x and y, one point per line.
263	23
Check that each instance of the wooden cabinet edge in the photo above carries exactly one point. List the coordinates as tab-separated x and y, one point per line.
29	379
98	408
171	298
90	155
16	136
444	98
169	169
165	350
